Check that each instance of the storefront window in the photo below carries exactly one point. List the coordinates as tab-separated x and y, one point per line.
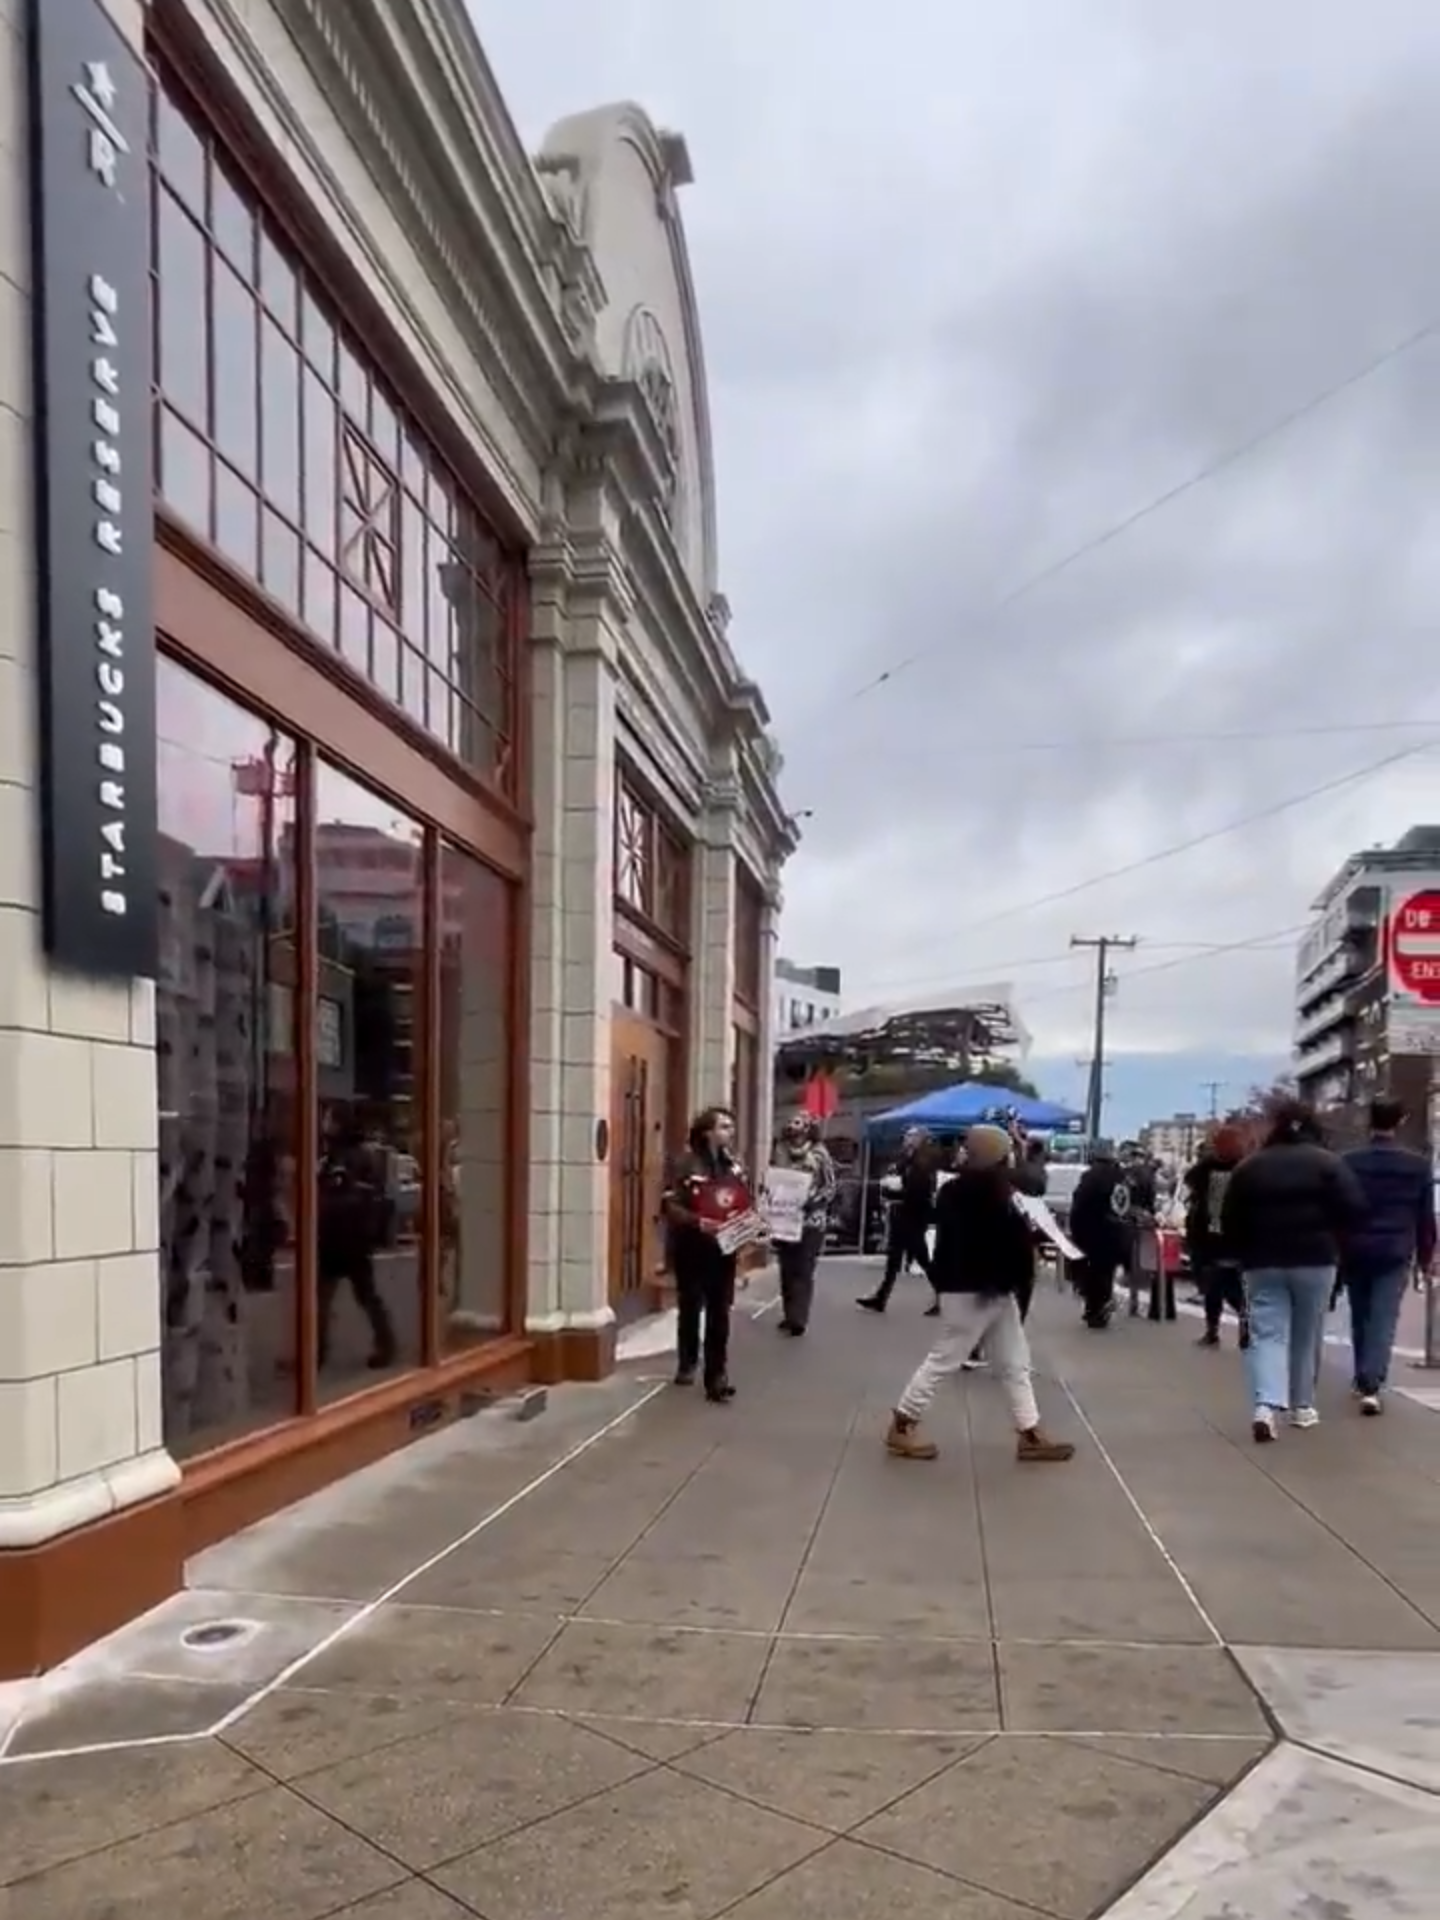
477	918
281	446
370	910
226	1075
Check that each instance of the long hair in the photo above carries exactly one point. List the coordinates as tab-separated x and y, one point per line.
1291	1123
703	1125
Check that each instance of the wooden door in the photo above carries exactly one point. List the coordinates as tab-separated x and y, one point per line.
639	1102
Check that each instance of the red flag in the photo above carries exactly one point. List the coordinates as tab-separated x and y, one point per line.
821	1098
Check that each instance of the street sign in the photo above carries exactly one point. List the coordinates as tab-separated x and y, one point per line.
1413	949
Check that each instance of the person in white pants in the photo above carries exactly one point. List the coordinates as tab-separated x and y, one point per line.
983	1263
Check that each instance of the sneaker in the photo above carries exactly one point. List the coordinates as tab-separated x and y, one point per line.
685	1377
1304	1417
1208	1340
1370	1405
904	1441
871	1303
1263	1425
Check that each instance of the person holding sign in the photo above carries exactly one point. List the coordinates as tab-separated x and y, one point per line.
799	1192
984	1260
711	1214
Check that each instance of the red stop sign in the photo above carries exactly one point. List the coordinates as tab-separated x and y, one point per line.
1415	947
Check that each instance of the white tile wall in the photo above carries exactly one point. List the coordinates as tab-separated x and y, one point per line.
96	1413
29	1437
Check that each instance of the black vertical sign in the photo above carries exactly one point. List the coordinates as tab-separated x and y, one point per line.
90	219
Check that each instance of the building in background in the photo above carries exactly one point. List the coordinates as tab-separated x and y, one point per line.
1349	1045
1177	1140
406	806
804	997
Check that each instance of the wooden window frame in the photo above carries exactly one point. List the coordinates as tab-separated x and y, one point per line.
493	742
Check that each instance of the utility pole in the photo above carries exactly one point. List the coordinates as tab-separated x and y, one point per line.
1103	946
1212	1087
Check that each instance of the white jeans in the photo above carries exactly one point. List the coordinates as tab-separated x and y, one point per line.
967	1319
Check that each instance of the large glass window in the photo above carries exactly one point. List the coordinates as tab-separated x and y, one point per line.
477	919
226	1073
281	446
370	908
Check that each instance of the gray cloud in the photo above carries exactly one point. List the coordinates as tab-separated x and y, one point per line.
973	291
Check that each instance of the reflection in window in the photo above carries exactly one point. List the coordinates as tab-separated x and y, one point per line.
476	914
226	1078
370	904
331	452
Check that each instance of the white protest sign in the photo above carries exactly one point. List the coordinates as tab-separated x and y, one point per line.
783	1202
1041	1218
740	1230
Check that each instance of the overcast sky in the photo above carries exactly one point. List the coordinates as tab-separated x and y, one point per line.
977	283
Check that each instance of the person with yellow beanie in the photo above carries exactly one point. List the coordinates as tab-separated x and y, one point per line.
984	1260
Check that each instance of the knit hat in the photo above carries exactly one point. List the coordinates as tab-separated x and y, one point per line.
987	1146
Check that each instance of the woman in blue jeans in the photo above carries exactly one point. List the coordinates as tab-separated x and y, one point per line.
1286	1212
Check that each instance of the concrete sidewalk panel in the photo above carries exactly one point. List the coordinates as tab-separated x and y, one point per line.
1062	1689
1375	1709
1053	1824
848	1882
469	1657
441	1794
1302	1836
648	1672
878	1685
664	1845
830	1780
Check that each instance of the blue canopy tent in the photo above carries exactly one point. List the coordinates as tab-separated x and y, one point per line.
952	1109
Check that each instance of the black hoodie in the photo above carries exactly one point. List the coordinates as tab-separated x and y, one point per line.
1205	1186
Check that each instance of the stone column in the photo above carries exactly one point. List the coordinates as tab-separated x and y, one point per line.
80	1320
712	1042
765	1039
580	610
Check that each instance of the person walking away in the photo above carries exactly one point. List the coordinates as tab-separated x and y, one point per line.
1285	1212
1394	1240
1030	1176
912	1213
704	1275
1100	1228
1212	1259
801	1149
350	1226
984	1258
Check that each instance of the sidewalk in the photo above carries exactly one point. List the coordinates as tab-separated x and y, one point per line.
648	1657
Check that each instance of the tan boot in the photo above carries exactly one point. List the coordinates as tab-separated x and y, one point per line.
905	1442
1036	1445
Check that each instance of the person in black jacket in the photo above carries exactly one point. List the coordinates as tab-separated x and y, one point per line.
1031	1176
1286	1211
704	1275
912	1213
1212	1260
1393	1243
984	1256
1100	1227
349	1233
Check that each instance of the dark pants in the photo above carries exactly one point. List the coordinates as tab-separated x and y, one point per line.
1221	1286
1095	1281
357	1265
1375	1302
704	1295
797	1260
905	1241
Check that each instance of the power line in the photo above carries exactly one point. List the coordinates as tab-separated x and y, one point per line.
880	989
1219	464
1092	743
1173	852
